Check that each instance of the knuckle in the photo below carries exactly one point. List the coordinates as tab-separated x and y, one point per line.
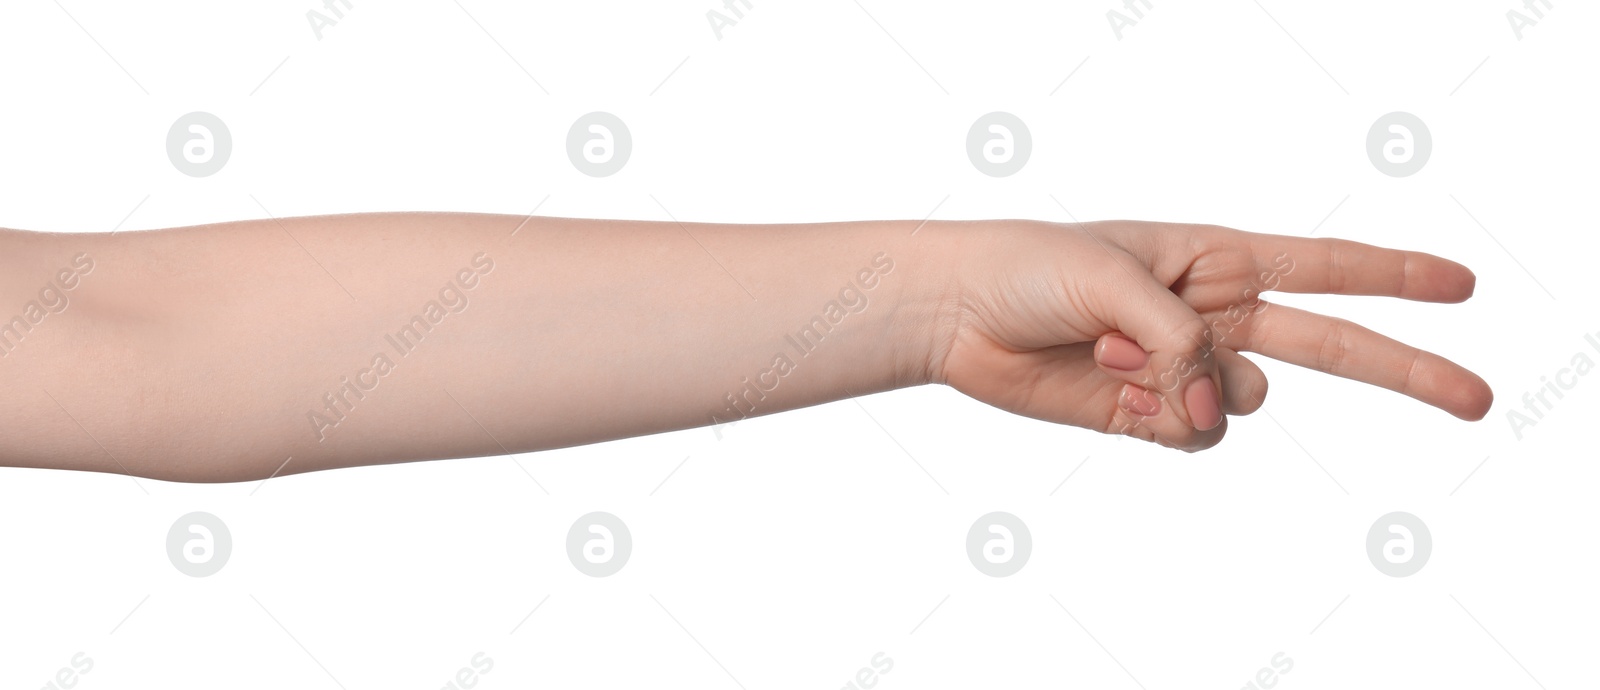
1189	337
1211	438
1122	423
1335	348
1210	234
1256	395
1336	266
1205	440
1185	438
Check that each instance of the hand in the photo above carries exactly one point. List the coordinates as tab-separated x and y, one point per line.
1136	328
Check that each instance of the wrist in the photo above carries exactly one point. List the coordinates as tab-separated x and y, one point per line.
927	312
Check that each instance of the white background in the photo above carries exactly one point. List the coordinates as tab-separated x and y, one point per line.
790	551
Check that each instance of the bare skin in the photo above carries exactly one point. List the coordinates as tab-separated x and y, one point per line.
216	353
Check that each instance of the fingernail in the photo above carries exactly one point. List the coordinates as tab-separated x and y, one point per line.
1139	401
1121	354
1204	408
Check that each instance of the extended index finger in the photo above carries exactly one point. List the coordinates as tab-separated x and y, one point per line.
1343	267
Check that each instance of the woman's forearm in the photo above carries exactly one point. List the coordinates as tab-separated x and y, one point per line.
215	353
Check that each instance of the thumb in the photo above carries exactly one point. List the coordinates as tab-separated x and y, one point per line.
1181	368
